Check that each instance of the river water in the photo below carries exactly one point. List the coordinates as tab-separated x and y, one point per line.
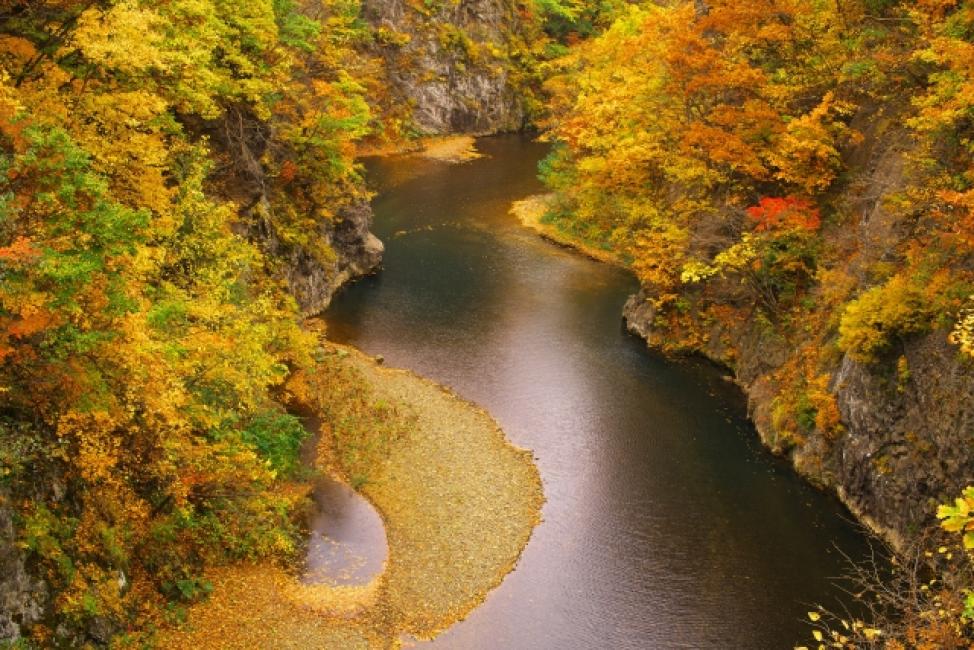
666	525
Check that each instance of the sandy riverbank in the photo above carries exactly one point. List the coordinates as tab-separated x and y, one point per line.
454	149
440	472
530	212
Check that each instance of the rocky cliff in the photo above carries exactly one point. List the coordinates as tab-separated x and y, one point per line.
23	596
314	279
447	62
315	264
906	445
448	67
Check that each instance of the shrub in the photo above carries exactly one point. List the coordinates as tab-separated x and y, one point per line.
277	438
870	324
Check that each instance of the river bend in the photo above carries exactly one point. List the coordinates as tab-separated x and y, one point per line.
667	525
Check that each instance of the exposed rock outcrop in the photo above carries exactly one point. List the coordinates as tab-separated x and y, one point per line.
23	596
907	443
313	279
449	63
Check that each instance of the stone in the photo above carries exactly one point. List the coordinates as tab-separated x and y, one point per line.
453	71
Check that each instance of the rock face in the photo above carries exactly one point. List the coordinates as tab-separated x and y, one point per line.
312	280
907	444
448	63
23	597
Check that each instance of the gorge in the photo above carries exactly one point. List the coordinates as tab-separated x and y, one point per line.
255	258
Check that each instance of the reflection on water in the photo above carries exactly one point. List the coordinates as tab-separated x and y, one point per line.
347	545
347	538
667	525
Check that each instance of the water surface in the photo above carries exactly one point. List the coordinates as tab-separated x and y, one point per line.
667	525
347	537
347	541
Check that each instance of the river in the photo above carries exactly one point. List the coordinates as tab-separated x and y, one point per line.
667	525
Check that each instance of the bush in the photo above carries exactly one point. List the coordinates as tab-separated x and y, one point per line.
871	323
277	438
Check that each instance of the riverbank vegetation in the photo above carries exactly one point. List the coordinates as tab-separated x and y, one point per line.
536	212
793	184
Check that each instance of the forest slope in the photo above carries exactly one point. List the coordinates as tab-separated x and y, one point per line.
792	183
